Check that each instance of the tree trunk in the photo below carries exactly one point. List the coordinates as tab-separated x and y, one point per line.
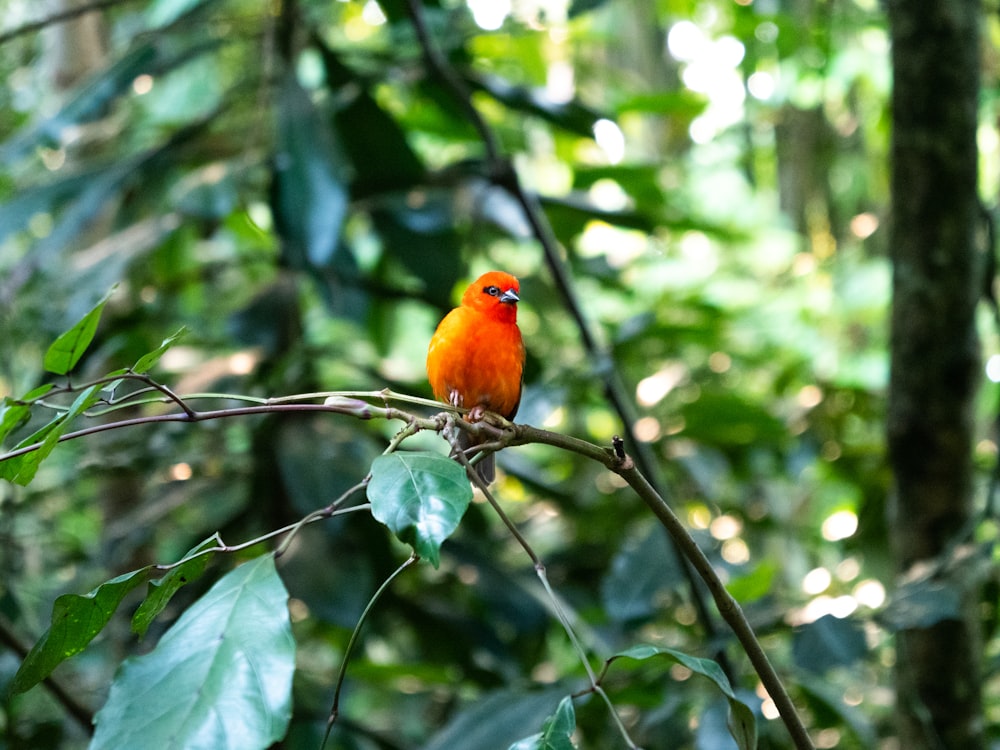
935	351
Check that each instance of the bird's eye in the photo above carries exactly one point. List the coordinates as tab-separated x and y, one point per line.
493	291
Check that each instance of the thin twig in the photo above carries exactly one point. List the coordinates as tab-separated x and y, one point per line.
291	529
503	174
554	600
463	97
728	607
333	509
56	18
342	673
518	434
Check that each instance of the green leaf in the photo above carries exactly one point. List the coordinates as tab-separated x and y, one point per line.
310	192
15	412
496	720
828	642
742	725
66	350
755	584
574	116
146	361
75	621
12	415
22	469
376	145
642	572
160	592
220	678
922	603
422	238
556	732
421	497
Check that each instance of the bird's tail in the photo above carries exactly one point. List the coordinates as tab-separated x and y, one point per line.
486	467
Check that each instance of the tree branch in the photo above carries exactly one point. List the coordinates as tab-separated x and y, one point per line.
506	434
67	15
502	172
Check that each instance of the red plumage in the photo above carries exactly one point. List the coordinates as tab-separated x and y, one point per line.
476	356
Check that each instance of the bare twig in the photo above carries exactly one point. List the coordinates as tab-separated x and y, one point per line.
463	97
613	458
728	607
335	708
56	18
503	174
557	608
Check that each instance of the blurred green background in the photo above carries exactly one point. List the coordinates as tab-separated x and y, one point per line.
295	184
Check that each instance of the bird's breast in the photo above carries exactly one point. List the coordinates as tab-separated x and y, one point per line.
479	359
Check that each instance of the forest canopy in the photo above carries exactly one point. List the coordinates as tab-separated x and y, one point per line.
227	233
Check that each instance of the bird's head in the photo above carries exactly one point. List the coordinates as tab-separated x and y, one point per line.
496	294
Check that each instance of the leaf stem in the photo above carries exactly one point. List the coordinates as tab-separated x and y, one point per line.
615	459
728	607
342	673
556	604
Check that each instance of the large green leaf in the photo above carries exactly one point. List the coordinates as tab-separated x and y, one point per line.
556	733
421	497
828	642
220	678
376	145
422	238
309	195
641	573
742	725
75	621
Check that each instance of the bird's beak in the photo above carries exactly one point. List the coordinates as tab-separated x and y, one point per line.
510	297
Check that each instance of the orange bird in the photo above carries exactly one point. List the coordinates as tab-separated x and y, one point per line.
476	356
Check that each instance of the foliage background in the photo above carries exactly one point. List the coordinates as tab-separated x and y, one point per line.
293	184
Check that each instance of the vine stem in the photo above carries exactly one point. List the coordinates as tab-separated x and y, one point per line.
622	465
355	634
554	600
502	172
505	434
291	530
